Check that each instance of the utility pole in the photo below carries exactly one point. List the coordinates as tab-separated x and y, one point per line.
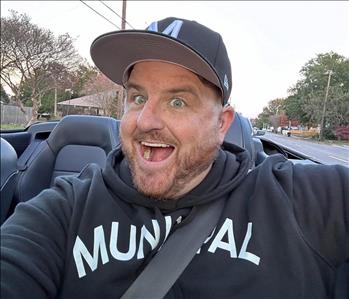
121	92
55	104
324	107
123	19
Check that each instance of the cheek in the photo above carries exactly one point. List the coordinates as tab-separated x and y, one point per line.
195	131
127	125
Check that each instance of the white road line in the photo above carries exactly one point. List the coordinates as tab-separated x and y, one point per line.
346	161
340	146
300	152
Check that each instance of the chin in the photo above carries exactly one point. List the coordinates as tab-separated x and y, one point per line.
157	186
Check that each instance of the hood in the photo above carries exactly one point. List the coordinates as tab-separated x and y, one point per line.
228	170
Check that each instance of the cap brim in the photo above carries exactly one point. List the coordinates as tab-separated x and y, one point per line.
113	53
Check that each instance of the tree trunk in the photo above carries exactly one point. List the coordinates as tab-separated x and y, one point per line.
55	105
20	104
120	103
35	110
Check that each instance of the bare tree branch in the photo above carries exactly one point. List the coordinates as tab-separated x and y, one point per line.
30	57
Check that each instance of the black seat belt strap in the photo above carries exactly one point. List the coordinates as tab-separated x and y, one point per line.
168	264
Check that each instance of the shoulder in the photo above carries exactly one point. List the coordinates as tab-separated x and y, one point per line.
295	178
67	189
89	173
279	166
323	180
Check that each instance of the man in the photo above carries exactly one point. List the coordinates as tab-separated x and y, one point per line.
281	234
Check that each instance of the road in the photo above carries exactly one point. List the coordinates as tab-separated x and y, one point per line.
324	153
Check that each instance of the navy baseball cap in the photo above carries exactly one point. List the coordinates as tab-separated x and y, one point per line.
179	41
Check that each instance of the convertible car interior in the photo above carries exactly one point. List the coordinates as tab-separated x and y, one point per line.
32	158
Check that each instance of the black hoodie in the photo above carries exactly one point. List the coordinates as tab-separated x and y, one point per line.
282	233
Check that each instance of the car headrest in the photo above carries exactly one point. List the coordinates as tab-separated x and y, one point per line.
8	161
102	132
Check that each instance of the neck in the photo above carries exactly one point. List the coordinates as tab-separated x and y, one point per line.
192	184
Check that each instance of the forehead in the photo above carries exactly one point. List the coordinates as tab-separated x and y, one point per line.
157	71
170	74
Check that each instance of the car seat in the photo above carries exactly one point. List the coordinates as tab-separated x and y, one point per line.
240	133
75	141
8	177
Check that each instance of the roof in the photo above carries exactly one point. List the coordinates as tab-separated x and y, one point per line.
92	101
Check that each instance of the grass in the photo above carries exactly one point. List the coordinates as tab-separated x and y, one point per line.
11	126
325	141
338	142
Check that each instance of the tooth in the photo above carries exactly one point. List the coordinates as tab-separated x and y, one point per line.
155	144
146	154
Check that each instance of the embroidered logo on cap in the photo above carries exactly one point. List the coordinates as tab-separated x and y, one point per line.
226	83
172	30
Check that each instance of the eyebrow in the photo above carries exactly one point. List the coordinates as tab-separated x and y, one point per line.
129	85
182	89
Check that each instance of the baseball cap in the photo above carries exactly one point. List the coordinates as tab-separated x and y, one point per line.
179	41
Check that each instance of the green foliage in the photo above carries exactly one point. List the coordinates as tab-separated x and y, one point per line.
276	106
294	109
270	114
306	100
329	68
11	126
263	118
4	96
83	75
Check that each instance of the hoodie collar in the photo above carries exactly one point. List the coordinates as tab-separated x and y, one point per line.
228	170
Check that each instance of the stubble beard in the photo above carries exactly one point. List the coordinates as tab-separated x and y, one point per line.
168	183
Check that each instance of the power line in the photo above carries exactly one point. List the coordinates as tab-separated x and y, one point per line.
100	15
116	14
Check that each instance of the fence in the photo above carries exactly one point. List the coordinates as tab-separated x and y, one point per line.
14	115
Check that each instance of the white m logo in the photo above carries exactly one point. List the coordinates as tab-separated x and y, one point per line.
173	29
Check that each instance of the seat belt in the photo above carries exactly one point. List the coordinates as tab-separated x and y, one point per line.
175	254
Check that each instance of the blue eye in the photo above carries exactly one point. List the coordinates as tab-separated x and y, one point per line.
139	99
177	103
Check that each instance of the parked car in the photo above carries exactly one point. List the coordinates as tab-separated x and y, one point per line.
286	132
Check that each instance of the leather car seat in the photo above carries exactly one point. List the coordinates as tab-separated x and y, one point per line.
240	133
75	141
8	177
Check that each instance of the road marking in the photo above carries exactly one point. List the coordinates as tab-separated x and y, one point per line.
339	159
340	146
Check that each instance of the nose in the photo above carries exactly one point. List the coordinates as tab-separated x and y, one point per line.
149	117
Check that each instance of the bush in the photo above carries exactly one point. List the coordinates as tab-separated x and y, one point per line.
329	133
342	132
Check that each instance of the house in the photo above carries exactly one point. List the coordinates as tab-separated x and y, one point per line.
107	103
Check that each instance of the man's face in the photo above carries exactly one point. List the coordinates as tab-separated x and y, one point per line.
171	130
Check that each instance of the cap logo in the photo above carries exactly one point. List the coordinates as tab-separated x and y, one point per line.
172	30
226	83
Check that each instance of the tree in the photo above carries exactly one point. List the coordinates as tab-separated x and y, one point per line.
107	92
83	75
294	109
4	96
60	84
30	56
276	106
309	92
305	103
271	114
263	118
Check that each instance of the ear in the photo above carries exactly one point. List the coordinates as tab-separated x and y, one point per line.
226	119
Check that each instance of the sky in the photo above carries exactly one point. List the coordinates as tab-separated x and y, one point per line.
268	42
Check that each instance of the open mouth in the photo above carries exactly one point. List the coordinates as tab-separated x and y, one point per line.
156	152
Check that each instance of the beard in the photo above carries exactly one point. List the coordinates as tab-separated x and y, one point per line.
188	164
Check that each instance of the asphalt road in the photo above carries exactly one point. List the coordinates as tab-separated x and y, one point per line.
324	153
